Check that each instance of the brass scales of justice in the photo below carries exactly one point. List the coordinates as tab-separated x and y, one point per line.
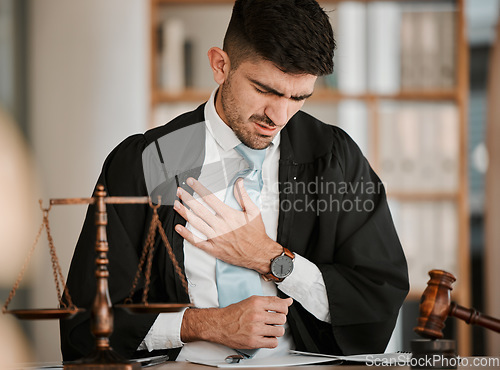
101	323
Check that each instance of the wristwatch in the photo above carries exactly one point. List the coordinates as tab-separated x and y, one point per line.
281	266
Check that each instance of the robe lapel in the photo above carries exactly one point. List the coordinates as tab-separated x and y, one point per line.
287	174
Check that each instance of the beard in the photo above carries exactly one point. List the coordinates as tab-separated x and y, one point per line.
240	126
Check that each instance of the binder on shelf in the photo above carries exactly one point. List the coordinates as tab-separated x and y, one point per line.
409	138
353	118
409	58
428	238
428	39
331	81
352	51
172	71
389	145
384	44
428	173
448	150
409	234
430	229
164	113
447	252
419	147
447	46
428	50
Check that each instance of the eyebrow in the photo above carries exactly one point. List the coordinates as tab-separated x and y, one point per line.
276	92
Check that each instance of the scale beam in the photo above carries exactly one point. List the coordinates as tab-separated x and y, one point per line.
107	200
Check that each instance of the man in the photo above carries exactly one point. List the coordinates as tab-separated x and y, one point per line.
317	227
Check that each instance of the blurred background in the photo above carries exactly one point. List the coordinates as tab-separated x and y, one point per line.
413	85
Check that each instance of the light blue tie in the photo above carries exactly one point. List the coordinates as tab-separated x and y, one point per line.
235	283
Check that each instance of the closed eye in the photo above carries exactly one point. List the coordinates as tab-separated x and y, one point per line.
261	91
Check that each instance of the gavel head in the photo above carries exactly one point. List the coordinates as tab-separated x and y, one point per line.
435	305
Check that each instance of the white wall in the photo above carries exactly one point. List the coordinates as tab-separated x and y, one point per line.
88	90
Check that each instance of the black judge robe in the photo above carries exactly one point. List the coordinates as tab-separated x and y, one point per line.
357	251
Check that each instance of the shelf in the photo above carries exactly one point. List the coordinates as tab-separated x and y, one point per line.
188	95
231	2
196	2
328	95
320	95
423	196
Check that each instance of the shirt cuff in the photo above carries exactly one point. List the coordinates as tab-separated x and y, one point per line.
306	285
165	333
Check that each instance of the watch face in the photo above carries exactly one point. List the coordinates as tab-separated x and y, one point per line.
282	266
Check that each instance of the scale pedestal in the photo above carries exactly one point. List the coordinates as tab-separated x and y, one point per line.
103	358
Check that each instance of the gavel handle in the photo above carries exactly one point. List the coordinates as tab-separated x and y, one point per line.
474	317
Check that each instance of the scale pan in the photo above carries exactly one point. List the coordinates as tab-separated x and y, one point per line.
45	313
153	307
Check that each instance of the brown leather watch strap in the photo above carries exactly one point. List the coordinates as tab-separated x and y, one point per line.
270	277
289	253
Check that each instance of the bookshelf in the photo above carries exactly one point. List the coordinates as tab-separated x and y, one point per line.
437	203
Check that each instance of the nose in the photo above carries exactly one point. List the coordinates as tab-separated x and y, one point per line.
277	110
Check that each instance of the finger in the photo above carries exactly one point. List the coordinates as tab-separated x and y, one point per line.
243	199
277	304
215	203
198	223
268	342
193	239
274	318
203	212
273	331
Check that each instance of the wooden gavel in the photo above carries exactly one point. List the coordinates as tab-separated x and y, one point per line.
436	306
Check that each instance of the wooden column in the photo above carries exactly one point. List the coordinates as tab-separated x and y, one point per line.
462	292
492	203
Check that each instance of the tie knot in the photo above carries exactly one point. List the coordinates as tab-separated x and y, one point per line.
254	157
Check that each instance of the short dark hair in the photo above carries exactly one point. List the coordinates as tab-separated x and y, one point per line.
295	35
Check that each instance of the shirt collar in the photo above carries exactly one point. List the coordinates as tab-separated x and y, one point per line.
221	132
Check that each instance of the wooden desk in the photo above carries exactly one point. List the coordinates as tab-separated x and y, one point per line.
473	363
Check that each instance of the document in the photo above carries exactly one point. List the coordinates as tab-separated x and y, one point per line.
379	358
292	359
297	358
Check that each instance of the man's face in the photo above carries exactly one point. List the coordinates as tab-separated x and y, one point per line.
257	100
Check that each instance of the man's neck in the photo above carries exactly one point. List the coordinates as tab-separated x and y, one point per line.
218	106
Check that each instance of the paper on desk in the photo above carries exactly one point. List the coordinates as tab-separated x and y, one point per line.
289	360
380	358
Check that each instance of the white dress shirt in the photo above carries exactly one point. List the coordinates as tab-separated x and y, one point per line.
305	284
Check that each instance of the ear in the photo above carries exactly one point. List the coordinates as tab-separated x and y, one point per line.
220	64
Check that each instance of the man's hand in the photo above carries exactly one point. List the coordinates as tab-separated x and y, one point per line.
255	322
233	236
